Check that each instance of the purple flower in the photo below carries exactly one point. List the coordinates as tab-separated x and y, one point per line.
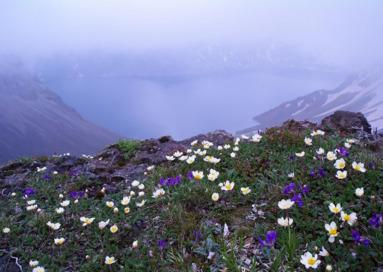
76	194
343	151
305	189
359	239
376	220
270	239
321	172
190	175
29	192
162	244
297	198
289	188
171	181
312	173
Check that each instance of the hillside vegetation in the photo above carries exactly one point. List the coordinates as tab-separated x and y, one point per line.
280	201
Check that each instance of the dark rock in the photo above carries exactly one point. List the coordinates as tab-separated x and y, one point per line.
298	126
346	122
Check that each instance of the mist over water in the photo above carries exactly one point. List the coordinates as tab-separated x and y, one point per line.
144	109
154	91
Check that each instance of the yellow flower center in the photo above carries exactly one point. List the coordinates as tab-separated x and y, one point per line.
333	232
336	210
311	261
228	187
347	217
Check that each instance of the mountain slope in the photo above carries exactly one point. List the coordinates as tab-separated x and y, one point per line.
35	121
360	93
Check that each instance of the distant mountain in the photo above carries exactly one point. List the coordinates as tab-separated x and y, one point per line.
35	121
359	93
181	63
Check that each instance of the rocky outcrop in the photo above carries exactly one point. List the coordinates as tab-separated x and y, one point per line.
346	121
110	166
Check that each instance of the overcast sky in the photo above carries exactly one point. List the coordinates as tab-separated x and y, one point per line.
339	31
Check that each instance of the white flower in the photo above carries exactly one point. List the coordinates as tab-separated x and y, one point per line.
256	138
65	203
331	156
323	252
170	158
220	147
60	210
32	207
227	186
103	224
340	164
135	244
59	241
359	167
110	260
38	269
236	149
310	261
285	204
135	183
158	193
328	268
213	175
245	137
226	146
42	169
194	143
191	159
341	174
86	221
141	186
150	168
332	230
359	192
200	152
308	141
54	226
206	144
226	231
31	202
178	154
197	175
300	154
347	145
291	175
320	151
317	132
140	204
335	209
183	158
125	200
215	197
245	190
33	263
110	204
349	218
233	155
211	159
6	230
285	222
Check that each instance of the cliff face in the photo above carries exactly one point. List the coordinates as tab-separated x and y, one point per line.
35	121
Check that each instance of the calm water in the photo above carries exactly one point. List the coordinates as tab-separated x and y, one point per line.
144	108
